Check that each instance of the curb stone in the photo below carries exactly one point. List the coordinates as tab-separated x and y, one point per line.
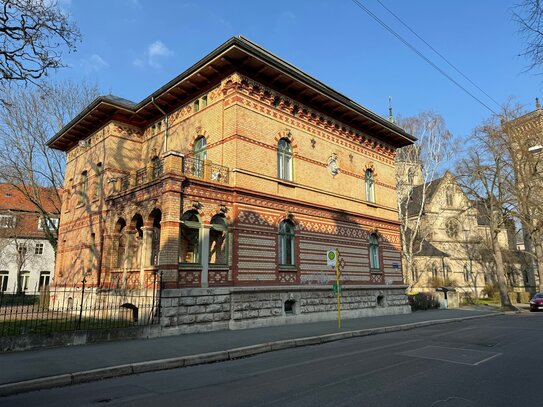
211	357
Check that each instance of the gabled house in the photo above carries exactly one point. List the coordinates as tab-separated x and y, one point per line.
27	258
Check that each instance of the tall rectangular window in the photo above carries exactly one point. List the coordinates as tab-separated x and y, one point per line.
99	181
39	248
374	253
370	186
84	187
286	243
25	279
45	277
284	160
22	249
4	275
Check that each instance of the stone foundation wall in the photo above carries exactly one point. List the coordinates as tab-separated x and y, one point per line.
207	309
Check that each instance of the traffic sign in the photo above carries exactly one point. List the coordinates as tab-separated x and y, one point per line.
331	258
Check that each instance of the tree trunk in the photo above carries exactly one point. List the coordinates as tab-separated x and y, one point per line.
533	265
539	256
500	274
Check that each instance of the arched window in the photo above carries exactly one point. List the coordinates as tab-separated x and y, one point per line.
121	248
286	243
370	185
374	253
156	217
284	160
190	238
218	240
84	187
200	155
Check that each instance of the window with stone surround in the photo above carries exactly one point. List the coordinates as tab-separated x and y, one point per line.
200	155
370	185
218	240
286	243
284	160
375	264
190	238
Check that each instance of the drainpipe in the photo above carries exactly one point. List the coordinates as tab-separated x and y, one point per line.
166	131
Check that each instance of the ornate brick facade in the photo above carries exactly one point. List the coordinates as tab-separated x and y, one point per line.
191	183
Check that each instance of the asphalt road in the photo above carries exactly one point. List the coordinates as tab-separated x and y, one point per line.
486	362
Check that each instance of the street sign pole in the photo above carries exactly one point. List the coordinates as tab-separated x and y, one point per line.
338	292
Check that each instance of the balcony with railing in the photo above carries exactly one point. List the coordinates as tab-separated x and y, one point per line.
175	163
205	169
142	176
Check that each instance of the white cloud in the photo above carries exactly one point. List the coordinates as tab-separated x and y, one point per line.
155	52
94	63
157	48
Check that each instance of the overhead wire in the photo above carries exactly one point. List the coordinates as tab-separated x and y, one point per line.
420	54
438	53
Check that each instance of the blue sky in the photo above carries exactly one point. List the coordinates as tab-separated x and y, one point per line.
132	47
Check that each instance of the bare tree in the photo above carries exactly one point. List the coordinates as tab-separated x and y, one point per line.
417	166
28	118
33	34
486	175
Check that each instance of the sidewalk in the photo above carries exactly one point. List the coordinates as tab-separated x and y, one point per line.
46	368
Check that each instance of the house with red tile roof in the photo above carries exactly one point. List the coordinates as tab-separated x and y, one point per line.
27	257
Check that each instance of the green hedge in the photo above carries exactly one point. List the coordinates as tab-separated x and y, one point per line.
422	301
18	299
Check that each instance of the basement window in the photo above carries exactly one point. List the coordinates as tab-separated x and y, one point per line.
289	307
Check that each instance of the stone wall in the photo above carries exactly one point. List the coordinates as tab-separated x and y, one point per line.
201	309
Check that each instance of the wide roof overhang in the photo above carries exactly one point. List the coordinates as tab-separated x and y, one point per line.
236	55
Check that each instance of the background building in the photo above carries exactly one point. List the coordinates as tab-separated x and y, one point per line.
24	250
231	182
524	141
453	247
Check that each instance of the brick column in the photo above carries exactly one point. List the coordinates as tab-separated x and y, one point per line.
173	162
169	233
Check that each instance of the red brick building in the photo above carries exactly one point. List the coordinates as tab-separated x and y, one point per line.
231	182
